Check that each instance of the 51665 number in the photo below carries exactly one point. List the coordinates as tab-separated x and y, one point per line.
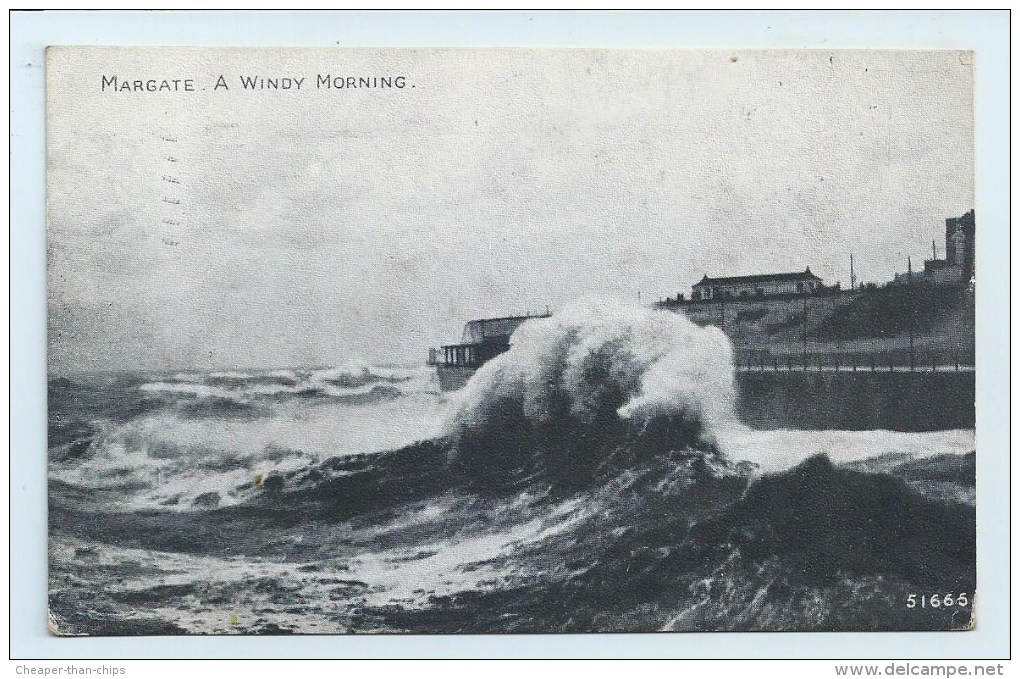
960	600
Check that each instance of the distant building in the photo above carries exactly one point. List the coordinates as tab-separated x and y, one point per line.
749	287
958	266
960	242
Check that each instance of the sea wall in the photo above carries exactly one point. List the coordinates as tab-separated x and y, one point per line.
865	326
898	401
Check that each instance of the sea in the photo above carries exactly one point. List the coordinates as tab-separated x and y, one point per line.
594	478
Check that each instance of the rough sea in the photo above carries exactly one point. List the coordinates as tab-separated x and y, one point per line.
595	478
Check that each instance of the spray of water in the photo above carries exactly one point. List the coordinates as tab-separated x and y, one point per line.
596	384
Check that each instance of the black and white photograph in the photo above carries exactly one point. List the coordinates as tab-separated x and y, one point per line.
510	340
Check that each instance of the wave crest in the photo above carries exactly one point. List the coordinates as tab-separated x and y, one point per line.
594	387
235	394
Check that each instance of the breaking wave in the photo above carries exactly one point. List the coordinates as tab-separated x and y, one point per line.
169	439
597	387
592	478
351	379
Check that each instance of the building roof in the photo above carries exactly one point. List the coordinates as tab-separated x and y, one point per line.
483	329
804	275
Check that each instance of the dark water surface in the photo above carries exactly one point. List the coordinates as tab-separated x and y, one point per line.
896	401
570	499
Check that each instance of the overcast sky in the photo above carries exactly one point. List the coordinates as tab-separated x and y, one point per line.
314	225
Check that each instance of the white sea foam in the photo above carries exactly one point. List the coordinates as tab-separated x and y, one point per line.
782	449
350	379
164	455
597	360
193	388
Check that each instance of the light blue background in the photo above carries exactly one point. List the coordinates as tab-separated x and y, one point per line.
985	32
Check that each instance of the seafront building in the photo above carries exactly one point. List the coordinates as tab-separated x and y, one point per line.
763	285
956	269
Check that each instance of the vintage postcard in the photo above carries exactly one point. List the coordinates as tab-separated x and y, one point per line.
510	340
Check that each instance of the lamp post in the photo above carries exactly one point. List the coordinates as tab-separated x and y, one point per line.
910	309
804	334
